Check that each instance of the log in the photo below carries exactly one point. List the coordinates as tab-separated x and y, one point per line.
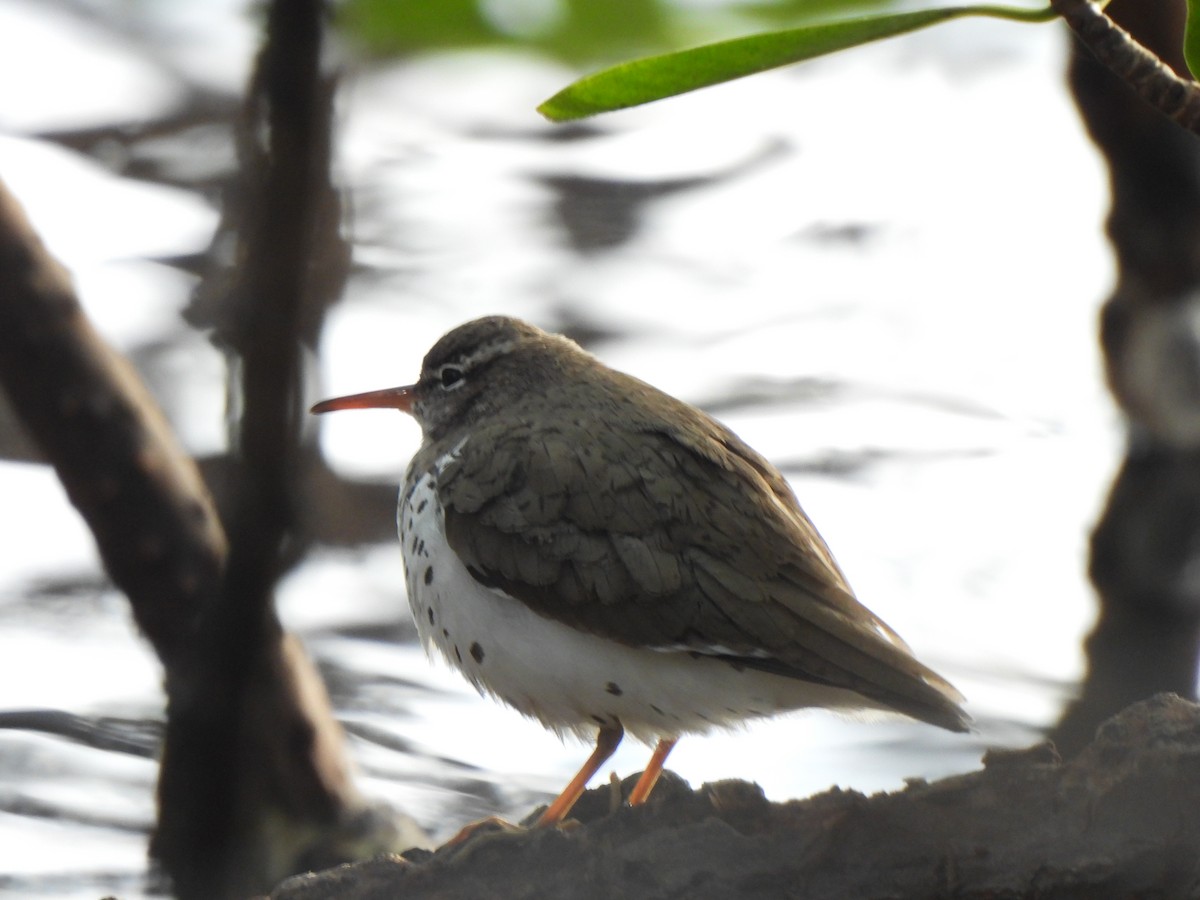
1119	820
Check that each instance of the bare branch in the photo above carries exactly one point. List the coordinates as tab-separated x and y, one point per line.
1175	97
141	495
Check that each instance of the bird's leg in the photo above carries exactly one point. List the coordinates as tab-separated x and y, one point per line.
654	768
607	741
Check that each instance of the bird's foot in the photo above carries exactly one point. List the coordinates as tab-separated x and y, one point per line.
488	833
492	825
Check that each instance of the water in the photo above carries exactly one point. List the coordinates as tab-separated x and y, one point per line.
882	270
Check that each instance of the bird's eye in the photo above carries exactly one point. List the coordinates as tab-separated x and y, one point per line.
450	376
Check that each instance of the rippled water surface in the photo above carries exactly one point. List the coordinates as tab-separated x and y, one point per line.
882	270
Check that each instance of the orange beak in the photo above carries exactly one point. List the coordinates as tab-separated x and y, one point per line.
400	398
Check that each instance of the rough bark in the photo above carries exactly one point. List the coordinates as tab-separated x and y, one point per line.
1117	821
1122	53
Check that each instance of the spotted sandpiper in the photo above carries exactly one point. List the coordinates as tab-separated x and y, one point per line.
606	558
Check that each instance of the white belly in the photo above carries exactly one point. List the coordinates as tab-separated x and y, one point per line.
570	680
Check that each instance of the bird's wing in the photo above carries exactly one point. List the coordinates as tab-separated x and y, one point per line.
676	539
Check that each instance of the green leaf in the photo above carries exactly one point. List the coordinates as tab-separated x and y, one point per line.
1191	38
656	77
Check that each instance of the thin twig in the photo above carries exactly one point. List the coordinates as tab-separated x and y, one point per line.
1175	97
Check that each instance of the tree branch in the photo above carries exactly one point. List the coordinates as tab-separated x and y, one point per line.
1175	97
144	501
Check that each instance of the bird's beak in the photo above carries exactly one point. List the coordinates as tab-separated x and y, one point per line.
400	398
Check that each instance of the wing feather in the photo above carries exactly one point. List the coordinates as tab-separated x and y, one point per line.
693	540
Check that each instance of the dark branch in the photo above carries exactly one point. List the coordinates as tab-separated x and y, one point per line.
1175	97
254	781
141	495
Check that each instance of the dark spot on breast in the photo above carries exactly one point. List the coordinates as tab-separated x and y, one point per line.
429	574
657	710
430	614
457	655
421	506
476	652
445	633
613	688
599	720
413	545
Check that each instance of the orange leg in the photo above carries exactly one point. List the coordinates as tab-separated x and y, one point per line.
606	745
654	768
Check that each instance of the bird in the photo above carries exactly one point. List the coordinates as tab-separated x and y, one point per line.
609	560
